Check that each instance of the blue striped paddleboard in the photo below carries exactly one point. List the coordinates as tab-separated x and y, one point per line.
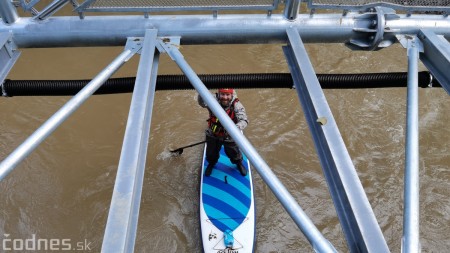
227	211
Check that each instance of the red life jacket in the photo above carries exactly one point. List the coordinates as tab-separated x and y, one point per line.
213	122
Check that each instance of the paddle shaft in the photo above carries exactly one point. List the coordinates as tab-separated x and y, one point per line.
188	146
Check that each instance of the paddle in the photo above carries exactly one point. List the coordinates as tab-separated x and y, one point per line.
179	151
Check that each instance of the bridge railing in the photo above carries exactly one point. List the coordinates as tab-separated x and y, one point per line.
410	5
175	5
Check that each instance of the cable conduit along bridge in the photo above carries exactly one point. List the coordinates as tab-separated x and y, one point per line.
364	25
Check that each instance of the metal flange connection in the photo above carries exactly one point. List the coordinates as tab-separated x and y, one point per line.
372	30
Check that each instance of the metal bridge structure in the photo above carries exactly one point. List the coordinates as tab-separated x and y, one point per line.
161	26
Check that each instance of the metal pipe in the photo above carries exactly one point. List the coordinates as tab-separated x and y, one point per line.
120	233
204	29
10	162
8	12
50	9
319	243
410	241
291	9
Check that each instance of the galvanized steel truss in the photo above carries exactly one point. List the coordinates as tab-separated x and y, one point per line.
423	36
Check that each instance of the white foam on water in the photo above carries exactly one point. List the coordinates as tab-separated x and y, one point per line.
165	155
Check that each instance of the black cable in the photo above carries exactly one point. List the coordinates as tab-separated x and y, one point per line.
241	81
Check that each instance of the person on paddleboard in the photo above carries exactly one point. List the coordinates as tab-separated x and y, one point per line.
216	135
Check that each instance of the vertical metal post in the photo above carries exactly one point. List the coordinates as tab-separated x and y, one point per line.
357	219
291	9
121	227
10	162
410	242
8	12
312	234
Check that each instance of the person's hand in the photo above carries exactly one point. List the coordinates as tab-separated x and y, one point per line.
226	135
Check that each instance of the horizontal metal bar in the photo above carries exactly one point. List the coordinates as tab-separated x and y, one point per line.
205	29
10	162
352	206
123	215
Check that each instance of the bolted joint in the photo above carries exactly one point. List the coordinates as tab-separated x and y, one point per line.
371	31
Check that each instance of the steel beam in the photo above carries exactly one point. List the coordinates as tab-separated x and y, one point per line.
121	227
436	56
8	55
50	9
205	29
358	221
411	240
8	12
10	162
312	234
29	6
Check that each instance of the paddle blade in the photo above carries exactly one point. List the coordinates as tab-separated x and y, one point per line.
177	151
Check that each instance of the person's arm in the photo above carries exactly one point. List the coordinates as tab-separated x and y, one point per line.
241	116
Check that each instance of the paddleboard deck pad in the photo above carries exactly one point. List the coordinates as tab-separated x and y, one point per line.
227	211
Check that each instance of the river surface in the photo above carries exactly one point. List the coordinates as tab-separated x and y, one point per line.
63	189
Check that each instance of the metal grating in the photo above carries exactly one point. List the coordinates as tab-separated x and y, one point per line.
175	5
412	5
